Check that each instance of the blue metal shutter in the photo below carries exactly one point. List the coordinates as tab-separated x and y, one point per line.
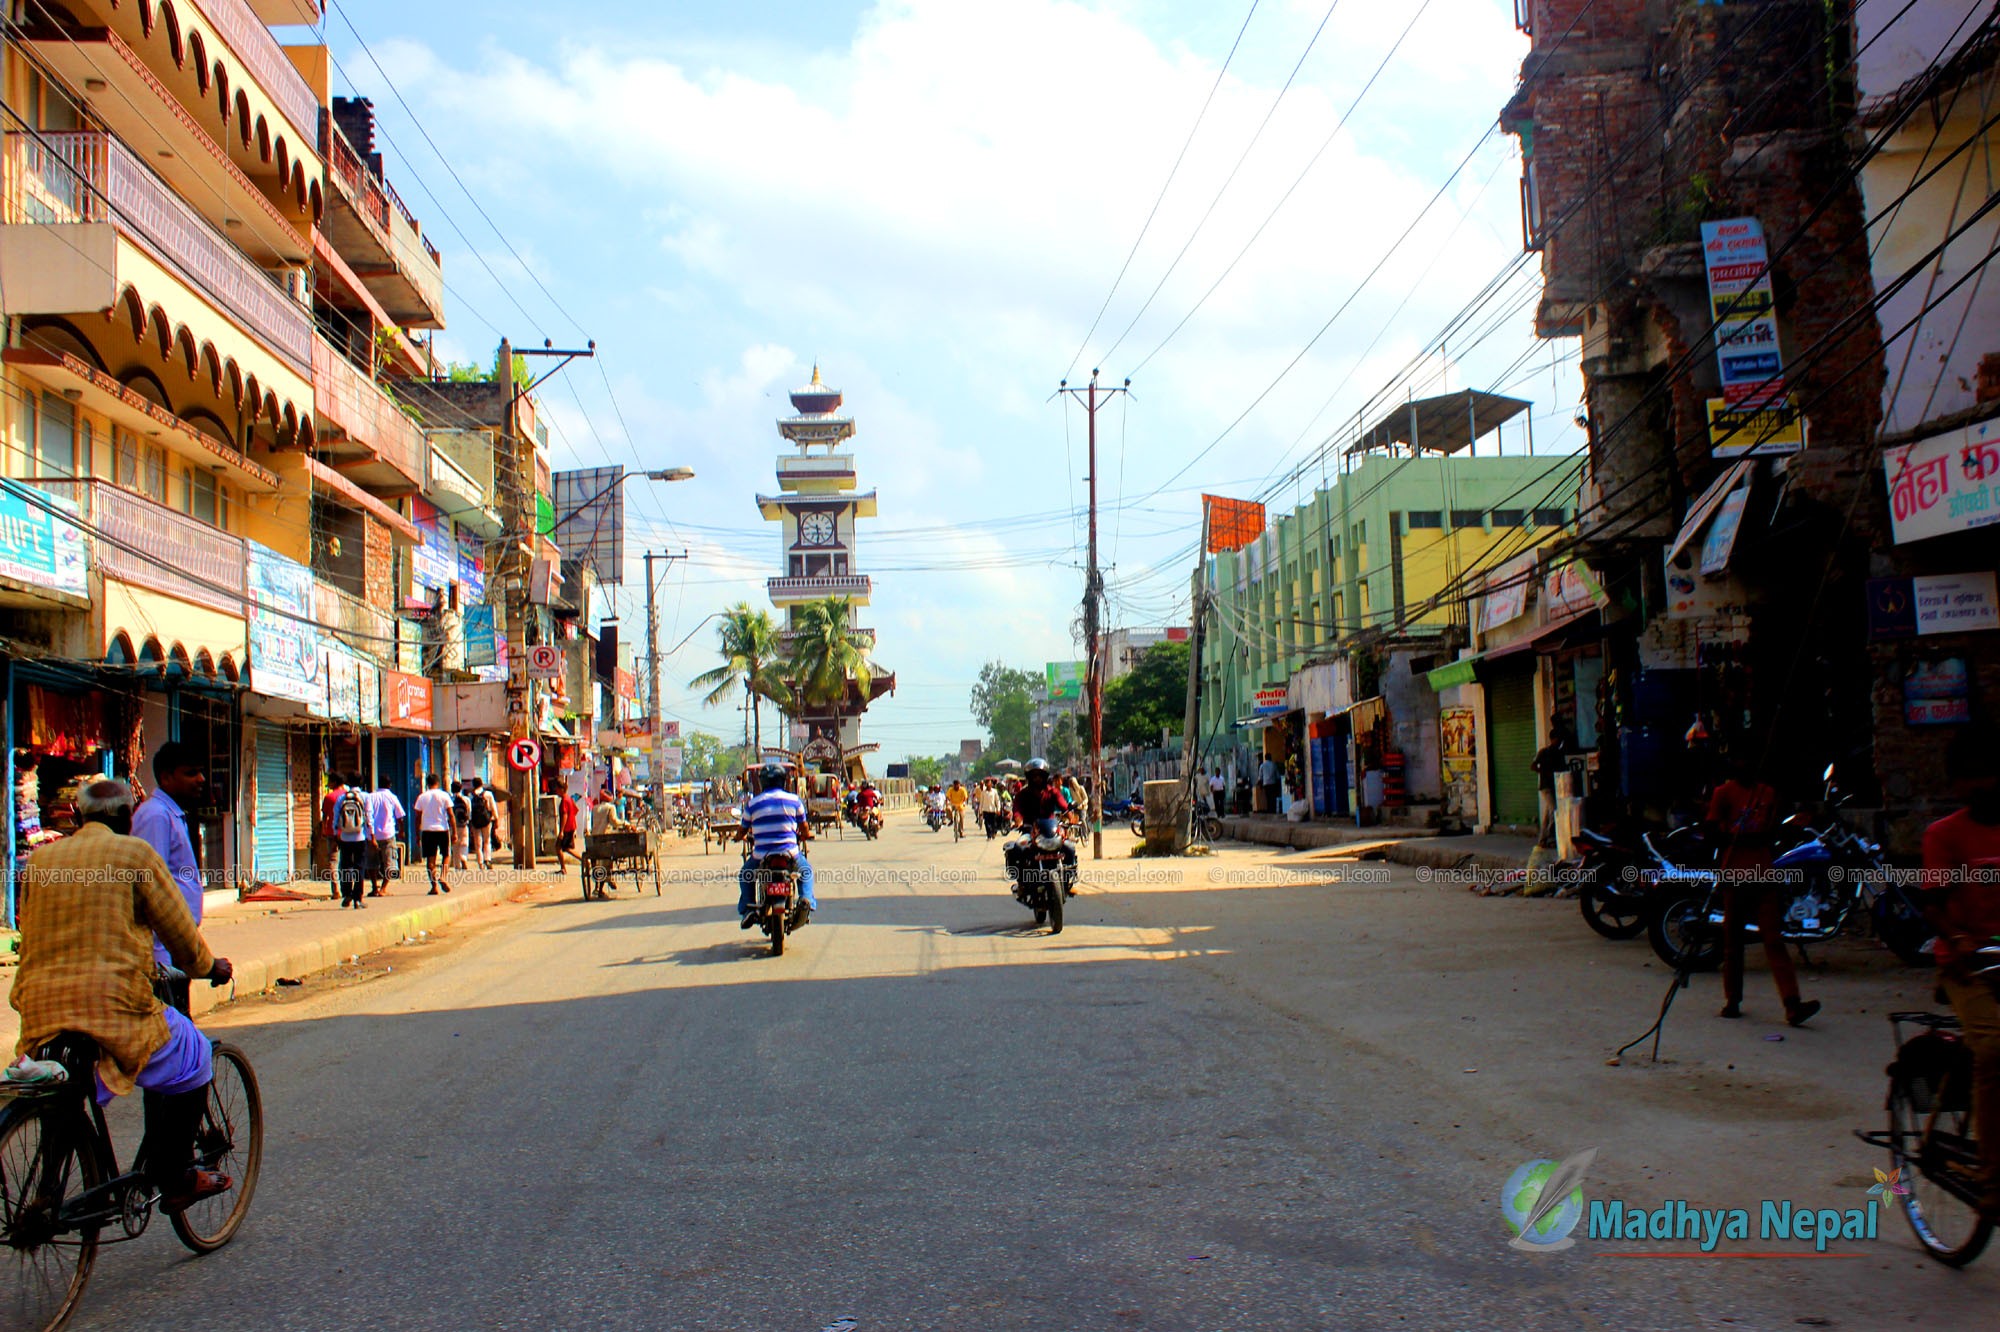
273	829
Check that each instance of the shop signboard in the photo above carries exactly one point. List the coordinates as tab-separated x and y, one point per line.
37	546
480	647
1937	693
639	735
627	682
1271	700
471	570
353	686
1065	681
1741	430
501	666
434	564
473	709
1569	590
1947	483
1722	529
1509	599
406	701
1754	413
286	660
1931	604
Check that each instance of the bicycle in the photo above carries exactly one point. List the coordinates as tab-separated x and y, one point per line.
1933	1149
60	1189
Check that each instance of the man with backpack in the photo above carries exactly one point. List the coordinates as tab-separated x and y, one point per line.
348	831
461	823
336	787
480	822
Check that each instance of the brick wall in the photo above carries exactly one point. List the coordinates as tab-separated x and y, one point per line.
377	565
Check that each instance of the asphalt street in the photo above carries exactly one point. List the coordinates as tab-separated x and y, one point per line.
928	1115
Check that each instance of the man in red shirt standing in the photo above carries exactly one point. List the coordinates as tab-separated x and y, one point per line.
1744	812
565	831
1962	901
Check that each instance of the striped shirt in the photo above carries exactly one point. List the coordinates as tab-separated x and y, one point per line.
773	819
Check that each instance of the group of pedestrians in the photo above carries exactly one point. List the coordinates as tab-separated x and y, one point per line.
455	830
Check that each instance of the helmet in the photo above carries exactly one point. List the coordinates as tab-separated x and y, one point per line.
773	776
1037	767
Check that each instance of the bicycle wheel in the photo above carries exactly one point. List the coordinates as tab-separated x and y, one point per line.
44	1272
231	1140
1930	1152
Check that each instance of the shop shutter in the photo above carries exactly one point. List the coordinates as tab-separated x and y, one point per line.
273	809
1510	729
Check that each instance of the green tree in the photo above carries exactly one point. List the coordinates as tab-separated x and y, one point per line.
827	653
1065	743
706	757
1003	701
926	771
747	642
1152	695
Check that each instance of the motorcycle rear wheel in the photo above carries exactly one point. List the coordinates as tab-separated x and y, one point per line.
1610	915
1055	907
1682	936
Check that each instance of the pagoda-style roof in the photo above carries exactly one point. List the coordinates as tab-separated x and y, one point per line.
816	399
880	683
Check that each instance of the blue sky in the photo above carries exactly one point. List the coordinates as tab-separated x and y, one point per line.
932	198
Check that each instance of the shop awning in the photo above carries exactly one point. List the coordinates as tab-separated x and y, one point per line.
1466	669
1705	510
1366	713
1256	721
1460	672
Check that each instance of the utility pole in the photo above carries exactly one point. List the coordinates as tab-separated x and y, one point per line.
517	556
1093	597
1197	601
653	674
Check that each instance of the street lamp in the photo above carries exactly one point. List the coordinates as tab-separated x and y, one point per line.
659	474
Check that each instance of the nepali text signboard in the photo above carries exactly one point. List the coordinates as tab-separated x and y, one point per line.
39	547
285	656
1937	693
1947	483
1271	700
1754	413
1930	604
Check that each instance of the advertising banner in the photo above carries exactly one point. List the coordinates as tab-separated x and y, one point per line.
590	504
434	564
406	701
353	686
1937	693
1231	524
37	547
471	570
1065	681
1754	414
1946	483
480	646
286	660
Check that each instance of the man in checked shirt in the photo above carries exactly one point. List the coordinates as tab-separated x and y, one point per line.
91	907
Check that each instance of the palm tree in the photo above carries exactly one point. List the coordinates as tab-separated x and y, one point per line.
747	642
827	652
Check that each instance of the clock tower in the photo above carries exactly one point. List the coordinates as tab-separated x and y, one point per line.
816	507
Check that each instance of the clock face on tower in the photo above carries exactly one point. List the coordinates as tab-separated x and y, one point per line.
816	529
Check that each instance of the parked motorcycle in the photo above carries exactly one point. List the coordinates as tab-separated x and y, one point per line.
1044	873
778	905
1831	873
1612	893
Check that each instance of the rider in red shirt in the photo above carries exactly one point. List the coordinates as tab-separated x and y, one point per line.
1962	900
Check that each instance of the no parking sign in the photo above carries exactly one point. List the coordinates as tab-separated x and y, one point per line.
524	755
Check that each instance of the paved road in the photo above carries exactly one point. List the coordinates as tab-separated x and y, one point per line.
926	1116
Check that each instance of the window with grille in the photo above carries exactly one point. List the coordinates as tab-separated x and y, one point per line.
1468	518
1551	517
1509	517
1425	518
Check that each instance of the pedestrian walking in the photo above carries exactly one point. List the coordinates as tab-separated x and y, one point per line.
1744	812
1551	759
385	811
565	831
461	821
480	823
336	790
434	830
349	832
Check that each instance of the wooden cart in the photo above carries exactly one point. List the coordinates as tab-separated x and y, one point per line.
609	855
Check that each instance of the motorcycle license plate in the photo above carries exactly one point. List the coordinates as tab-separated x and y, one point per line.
777	888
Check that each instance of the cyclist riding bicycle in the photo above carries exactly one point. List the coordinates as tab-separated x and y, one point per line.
956	798
1962	901
91	906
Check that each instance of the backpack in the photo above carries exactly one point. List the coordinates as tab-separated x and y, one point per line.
461	809
482	809
350	816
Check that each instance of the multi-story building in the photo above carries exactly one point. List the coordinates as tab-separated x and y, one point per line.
223	524
1321	627
1718	226
818	507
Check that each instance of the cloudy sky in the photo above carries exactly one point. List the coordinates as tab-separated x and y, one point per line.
933	198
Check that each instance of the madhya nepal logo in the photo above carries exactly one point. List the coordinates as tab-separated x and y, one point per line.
1544	1204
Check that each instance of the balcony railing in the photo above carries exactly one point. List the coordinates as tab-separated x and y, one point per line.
262	56
821	585
149	545
355	403
89	176
374	196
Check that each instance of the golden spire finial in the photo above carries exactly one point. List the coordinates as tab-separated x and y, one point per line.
816	383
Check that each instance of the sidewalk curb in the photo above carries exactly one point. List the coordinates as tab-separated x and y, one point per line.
1445	856
1403	846
376	932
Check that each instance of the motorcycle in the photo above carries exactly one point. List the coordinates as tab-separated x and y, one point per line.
867	821
1610	865
1044	876
935	819
778	905
1829	874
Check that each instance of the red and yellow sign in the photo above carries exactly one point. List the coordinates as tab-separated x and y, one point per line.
406	701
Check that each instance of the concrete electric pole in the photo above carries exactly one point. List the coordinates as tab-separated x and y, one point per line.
1093	598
